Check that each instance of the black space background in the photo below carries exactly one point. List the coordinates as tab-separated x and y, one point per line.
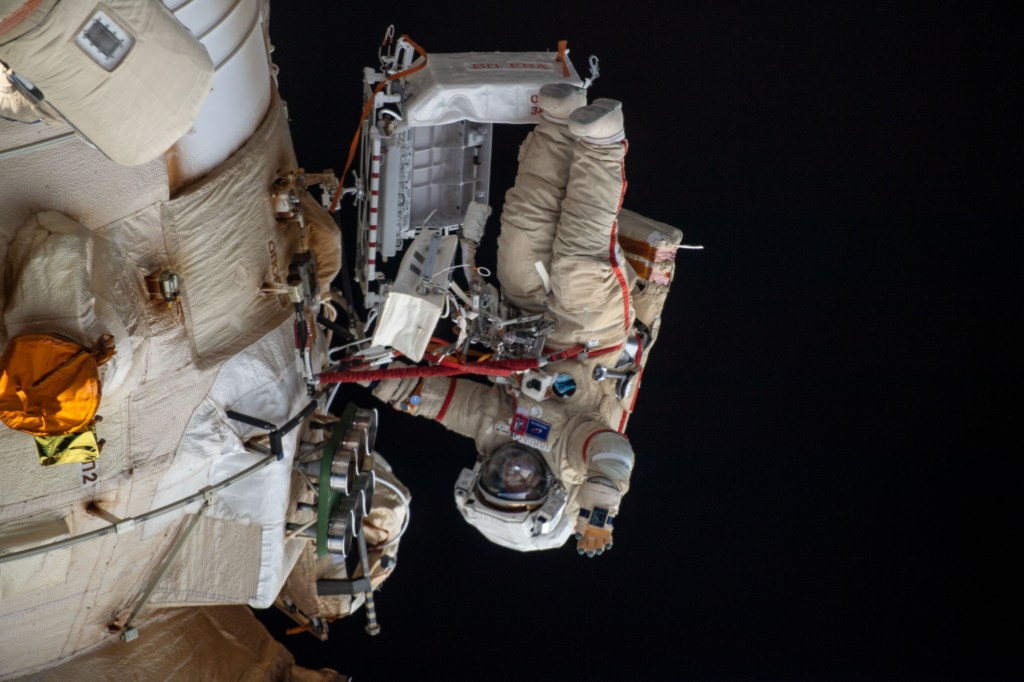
826	484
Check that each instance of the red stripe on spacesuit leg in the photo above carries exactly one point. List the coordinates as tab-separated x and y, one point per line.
619	275
447	400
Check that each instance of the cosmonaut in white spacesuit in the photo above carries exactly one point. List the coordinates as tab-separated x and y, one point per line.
553	462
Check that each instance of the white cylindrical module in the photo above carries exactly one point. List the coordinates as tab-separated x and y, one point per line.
232	33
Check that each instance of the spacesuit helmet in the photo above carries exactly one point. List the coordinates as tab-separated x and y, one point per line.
512	497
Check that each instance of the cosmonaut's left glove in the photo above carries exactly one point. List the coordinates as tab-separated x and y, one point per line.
393	390
425	397
597	496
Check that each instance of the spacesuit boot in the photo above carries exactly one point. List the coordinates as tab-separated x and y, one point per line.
599	122
558	100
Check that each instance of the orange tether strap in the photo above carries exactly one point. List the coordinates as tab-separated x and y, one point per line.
366	112
298	630
562	46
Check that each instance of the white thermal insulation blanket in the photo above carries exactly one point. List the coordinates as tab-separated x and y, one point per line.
263	382
78	233
133	105
486	87
61	278
191	645
224	243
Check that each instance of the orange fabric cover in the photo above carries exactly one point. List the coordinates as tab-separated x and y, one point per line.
49	385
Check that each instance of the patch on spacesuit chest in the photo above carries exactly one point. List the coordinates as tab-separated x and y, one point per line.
530	431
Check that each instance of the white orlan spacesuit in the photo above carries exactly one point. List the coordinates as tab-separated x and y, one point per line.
548	464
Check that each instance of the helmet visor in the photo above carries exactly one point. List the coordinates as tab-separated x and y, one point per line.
514	477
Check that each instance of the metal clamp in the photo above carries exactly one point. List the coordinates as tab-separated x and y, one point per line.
275	433
623	385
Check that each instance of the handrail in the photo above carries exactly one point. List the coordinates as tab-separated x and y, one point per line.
126	525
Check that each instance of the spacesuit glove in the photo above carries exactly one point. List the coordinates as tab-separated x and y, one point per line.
475	221
597	498
394	391
591	540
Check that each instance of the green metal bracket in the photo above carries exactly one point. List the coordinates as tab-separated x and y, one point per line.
329	500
